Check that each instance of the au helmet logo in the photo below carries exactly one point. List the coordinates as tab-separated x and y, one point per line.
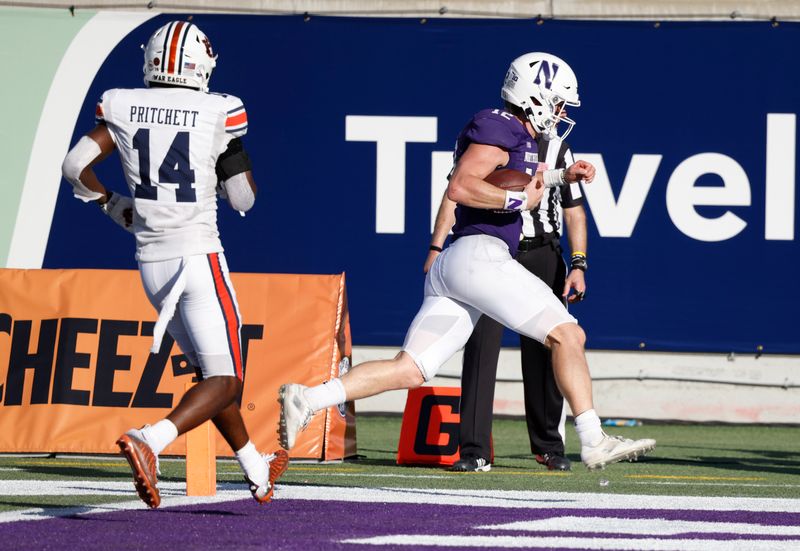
549	72
207	44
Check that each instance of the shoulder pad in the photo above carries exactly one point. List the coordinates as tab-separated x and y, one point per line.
496	127
236	117
99	111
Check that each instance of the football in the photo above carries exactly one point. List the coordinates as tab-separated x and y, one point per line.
509	179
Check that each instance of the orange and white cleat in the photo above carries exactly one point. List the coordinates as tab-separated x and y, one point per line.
144	465
278	463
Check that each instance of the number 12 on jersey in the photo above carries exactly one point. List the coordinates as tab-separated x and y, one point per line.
174	168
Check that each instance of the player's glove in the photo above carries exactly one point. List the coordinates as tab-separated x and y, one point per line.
120	209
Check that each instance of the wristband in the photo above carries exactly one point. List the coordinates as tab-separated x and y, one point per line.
516	200
436	248
554	178
578	261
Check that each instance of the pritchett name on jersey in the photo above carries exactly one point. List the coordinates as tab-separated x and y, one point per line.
163	115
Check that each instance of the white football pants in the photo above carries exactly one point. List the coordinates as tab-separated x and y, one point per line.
206	323
476	275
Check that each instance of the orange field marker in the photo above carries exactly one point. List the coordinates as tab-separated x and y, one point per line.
201	460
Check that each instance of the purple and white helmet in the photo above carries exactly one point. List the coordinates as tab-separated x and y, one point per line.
541	85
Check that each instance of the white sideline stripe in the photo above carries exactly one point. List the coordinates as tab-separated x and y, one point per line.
575	543
75	73
538	500
79	487
173	495
642	526
737	484
450	476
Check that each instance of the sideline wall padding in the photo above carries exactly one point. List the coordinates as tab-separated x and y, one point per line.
76	371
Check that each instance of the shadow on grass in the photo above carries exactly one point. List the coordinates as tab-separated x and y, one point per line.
373	462
745	464
745	460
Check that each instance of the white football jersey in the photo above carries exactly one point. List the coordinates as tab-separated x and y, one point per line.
169	140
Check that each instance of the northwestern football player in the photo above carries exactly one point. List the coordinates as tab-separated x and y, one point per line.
477	274
177	143
540	252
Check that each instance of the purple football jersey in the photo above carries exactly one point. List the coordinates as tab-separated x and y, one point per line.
499	128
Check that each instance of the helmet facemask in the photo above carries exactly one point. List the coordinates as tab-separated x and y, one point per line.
546	112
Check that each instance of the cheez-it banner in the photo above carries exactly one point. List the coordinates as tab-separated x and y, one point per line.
76	372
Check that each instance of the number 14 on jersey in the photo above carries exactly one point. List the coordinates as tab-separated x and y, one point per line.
174	169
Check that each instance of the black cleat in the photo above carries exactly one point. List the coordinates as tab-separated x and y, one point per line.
471	464
554	462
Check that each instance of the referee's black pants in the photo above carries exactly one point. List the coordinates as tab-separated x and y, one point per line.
543	401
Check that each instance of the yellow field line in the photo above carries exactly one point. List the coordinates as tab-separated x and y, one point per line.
689	477
114	463
324	470
307	470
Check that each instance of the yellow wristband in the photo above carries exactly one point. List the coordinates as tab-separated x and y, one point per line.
579	253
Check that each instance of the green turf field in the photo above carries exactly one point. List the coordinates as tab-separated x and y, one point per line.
698	460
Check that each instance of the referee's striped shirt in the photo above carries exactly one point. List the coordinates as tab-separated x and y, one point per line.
548	216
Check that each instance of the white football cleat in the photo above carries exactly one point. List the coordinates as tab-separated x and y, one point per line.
295	413
612	449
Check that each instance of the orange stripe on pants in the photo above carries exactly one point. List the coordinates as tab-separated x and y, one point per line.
228	313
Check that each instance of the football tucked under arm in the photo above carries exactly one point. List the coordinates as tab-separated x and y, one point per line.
517	185
509	179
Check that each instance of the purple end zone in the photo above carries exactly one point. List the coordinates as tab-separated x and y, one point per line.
304	524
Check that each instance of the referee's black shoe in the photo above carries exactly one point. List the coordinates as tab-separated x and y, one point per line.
554	462
471	464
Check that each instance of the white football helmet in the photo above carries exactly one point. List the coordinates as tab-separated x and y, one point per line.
180	54
542	85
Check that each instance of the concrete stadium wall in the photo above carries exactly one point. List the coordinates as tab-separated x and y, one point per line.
592	9
645	385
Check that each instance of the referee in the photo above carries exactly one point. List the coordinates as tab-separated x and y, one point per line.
540	252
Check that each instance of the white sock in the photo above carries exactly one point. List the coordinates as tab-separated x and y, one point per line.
330	393
160	435
587	425
253	465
